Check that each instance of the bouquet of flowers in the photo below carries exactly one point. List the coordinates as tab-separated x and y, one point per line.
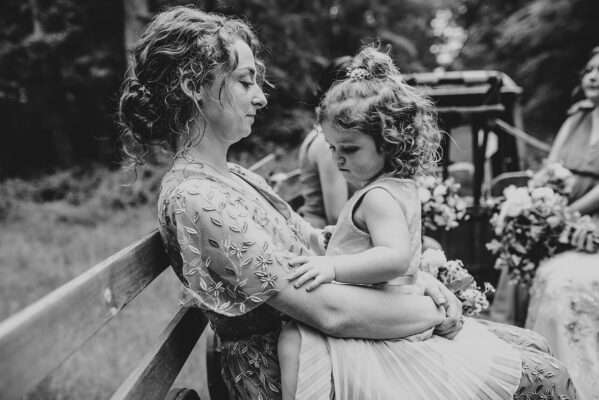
442	207
531	224
453	275
553	176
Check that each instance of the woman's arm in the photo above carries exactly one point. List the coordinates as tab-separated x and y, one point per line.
353	311
231	264
587	204
559	141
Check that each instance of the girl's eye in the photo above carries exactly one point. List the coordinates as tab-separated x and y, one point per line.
247	84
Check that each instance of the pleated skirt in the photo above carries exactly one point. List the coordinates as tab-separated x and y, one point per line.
475	365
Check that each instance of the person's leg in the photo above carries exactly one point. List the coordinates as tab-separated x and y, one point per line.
517	336
543	377
288	350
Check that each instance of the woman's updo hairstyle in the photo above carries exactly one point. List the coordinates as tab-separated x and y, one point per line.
373	99
181	50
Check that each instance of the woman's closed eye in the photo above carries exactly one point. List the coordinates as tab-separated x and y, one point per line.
246	83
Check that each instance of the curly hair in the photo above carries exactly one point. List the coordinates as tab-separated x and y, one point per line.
181	50
374	100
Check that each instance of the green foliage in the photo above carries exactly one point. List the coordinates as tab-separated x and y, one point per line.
61	64
62	61
542	44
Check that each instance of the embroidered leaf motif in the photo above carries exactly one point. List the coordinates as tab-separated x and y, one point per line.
193	271
235	228
244	228
216	221
230	271
196	217
249	243
190	230
209	208
213	243
242	308
203	285
194	250
255	299
207	262
273	387
247	261
240	284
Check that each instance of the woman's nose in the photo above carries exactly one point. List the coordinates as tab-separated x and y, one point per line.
340	161
259	99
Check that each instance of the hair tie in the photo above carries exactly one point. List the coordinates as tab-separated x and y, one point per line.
358	74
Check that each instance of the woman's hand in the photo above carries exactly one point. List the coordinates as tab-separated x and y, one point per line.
317	270
443	297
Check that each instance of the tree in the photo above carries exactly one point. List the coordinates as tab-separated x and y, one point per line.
542	44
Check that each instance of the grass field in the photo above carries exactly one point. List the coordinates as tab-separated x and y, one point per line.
45	244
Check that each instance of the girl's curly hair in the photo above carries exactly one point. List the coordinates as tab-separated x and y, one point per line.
181	50
374	100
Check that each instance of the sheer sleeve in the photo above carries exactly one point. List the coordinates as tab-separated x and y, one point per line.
232	261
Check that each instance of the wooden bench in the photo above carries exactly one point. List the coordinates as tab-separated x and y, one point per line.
39	338
36	340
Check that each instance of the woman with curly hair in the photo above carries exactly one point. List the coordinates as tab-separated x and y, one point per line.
195	89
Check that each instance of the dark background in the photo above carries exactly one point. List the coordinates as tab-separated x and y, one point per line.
62	62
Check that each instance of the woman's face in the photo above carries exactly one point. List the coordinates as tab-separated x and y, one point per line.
355	153
590	80
229	113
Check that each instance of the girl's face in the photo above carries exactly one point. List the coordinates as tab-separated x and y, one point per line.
590	80
229	114
355	153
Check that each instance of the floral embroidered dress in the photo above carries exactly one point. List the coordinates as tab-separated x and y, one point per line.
228	239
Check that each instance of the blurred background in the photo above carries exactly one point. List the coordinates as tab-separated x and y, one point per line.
65	204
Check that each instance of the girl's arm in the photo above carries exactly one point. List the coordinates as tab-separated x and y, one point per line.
381	216
332	182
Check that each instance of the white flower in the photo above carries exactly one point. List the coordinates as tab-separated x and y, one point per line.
431	260
542	193
428	181
440	191
424	194
516	200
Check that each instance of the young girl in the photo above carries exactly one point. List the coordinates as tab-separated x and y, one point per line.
383	133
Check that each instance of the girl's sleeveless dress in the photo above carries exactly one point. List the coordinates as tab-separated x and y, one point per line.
474	365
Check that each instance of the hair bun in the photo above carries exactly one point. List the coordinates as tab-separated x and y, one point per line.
136	108
371	63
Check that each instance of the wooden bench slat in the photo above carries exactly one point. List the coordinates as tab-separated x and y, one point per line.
156	373
39	338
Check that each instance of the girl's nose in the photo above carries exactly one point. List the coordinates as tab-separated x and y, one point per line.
259	99
340	161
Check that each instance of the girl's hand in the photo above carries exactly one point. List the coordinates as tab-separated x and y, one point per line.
318	270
